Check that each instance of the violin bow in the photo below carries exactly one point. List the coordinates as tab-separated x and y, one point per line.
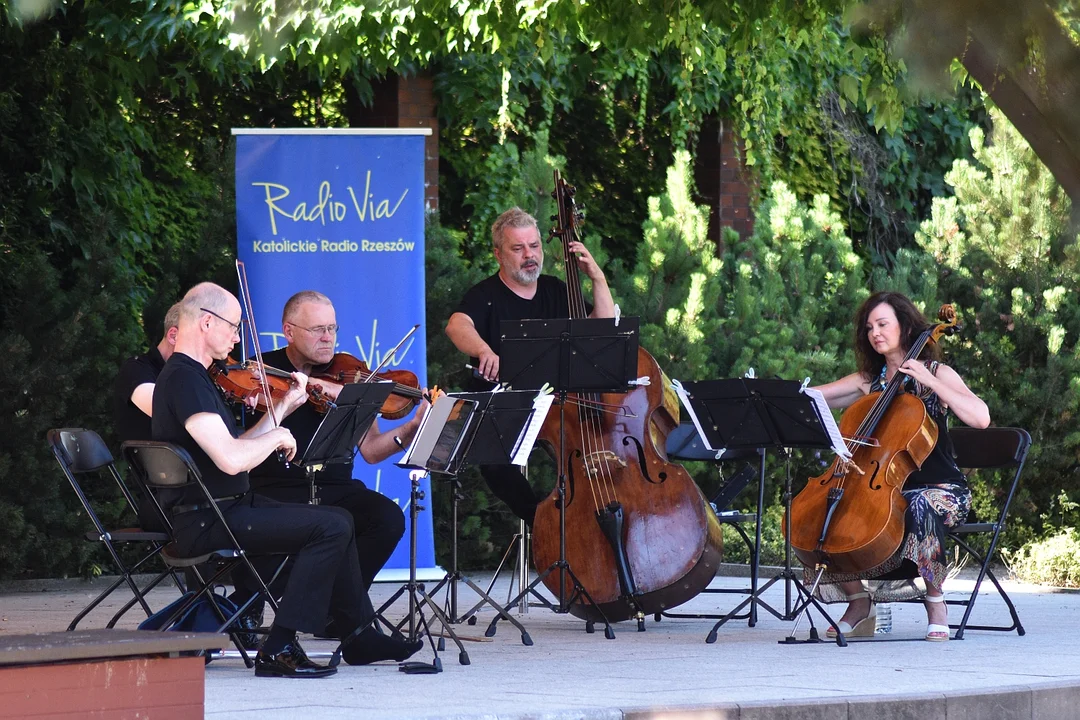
387	356
241	276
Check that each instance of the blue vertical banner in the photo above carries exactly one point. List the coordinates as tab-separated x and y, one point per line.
342	212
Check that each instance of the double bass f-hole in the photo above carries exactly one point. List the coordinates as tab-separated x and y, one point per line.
643	462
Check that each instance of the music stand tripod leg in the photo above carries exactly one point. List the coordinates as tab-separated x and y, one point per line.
470	615
803	606
416	620
578	590
455	576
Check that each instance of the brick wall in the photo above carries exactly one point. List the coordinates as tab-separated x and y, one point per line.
404	102
416	108
723	182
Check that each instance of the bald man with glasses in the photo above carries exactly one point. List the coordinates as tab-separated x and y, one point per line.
188	410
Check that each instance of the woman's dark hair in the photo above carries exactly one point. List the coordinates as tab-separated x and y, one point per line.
912	323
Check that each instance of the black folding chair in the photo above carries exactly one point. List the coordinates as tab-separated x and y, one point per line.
989	448
83	455
684	443
161	466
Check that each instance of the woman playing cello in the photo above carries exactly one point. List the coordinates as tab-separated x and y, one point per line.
886	326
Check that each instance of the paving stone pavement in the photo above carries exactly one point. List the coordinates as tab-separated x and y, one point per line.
667	671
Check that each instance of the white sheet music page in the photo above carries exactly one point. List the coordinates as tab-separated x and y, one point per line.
428	433
541	405
684	397
838	445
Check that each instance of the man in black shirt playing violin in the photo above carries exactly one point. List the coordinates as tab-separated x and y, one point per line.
519	291
326	580
309	324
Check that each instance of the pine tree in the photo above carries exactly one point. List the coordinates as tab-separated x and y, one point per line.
675	282
1005	258
790	292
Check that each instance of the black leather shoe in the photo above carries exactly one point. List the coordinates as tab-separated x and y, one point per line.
250	621
291	662
372	647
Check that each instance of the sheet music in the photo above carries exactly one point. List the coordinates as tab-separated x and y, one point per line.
541	405
684	397
440	432
838	444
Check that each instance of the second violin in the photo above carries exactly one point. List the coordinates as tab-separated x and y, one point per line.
345	369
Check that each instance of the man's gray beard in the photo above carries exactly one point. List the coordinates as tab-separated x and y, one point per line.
527	277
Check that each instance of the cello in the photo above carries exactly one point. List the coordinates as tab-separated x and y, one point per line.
640	536
851	518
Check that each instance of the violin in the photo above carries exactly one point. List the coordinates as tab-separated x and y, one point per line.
851	519
345	369
241	381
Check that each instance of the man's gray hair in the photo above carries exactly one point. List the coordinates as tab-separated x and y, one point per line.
514	218
172	317
292	306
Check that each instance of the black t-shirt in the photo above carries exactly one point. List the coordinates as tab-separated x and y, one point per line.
490	302
303	423
185	389
130	422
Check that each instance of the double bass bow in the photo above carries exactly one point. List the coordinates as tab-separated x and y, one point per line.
851	518
640	536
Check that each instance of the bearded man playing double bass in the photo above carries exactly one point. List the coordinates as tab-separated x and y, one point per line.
519	291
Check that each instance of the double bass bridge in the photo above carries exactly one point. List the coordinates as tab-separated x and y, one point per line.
602	461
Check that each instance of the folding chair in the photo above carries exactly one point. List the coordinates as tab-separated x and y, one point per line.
82	454
161	466
989	448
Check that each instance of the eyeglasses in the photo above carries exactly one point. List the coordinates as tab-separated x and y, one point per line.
319	330
234	325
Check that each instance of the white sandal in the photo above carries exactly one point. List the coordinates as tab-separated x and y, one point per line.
863	628
935	632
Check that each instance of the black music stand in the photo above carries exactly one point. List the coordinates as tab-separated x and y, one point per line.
434	448
339	434
586	355
495	435
757	414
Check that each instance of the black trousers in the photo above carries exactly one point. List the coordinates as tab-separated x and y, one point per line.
378	520
325	580
509	485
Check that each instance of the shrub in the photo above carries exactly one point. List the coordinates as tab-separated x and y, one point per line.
1052	561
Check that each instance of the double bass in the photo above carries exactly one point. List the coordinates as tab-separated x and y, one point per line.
851	518
640	536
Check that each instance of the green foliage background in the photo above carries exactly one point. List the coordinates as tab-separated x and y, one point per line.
116	195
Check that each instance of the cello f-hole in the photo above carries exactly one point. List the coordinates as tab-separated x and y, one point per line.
873	476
